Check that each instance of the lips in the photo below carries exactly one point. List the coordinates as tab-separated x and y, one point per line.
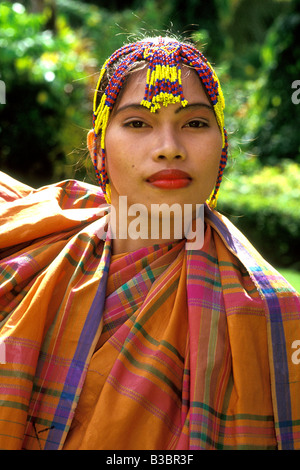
170	179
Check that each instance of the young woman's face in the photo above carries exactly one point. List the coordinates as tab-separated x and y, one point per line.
170	156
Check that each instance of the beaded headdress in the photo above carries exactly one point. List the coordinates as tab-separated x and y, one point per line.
165	58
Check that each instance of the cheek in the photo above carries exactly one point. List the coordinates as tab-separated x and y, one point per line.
208	159
211	155
112	154
119	166
122	155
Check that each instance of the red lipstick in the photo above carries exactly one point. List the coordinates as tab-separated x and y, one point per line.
170	179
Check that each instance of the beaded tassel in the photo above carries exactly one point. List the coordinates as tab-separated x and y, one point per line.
163	86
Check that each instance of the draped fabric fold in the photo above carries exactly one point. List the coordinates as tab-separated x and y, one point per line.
163	348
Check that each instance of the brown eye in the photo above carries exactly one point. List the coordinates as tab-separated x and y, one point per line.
136	124
196	124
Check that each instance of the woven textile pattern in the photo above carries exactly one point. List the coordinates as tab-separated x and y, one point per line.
187	349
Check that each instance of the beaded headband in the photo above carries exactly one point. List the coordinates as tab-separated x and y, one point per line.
165	58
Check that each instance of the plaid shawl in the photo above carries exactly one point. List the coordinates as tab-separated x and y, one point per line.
197	347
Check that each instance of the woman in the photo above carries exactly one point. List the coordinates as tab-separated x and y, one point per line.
112	340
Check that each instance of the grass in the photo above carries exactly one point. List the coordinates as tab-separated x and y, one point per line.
292	276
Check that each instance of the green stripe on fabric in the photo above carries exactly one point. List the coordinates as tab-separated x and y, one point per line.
153	274
216	445
213	281
45	422
144	262
202	254
13	422
47	391
171	348
11	437
8	274
80	264
212	346
138	325
284	424
14	404
235	266
153	341
227	395
14	373
231	286
161	300
225	417
66	193
157	373
251	291
126	289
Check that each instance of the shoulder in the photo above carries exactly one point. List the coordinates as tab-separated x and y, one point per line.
12	189
27	213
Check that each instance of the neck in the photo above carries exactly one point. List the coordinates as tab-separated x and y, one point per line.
137	227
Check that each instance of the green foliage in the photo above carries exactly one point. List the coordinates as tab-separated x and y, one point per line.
50	76
203	18
274	118
50	63
40	70
106	31
292	276
264	205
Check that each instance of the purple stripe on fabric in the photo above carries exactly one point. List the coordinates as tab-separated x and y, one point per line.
77	366
276	325
281	373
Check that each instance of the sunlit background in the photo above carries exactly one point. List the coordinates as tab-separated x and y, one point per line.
50	55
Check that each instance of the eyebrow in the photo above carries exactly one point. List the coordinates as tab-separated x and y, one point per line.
194	105
140	107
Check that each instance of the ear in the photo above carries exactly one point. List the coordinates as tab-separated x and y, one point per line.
90	144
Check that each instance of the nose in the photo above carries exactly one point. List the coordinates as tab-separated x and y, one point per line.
168	145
